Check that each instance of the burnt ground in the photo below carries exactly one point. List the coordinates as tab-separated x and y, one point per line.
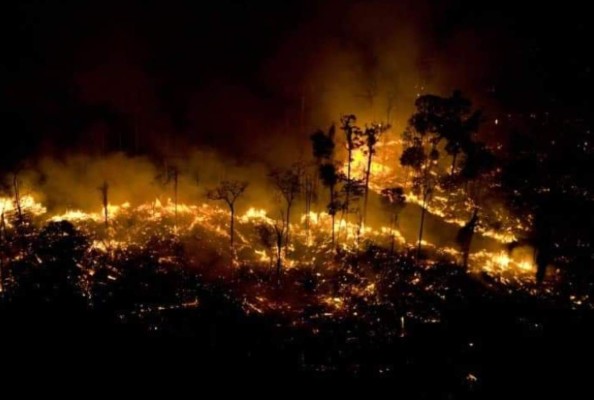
488	346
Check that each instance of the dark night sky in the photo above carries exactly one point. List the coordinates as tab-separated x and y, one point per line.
211	73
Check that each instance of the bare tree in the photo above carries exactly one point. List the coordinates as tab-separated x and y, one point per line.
287	184
229	192
280	233
330	179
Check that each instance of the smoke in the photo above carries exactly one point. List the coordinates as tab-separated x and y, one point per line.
73	182
249	80
228	96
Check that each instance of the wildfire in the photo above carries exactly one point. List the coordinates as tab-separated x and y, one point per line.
502	263
27	202
212	218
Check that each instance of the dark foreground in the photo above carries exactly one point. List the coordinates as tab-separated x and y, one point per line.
491	348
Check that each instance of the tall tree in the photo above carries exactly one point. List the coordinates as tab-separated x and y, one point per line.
330	178
228	192
353	141
421	155
370	136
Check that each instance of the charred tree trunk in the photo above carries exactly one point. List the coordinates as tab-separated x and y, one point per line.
279	264
392	234
347	194
422	224
289	205
17	198
232	224
105	201
308	202
367	175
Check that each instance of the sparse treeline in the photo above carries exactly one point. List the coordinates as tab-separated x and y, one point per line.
442	153
440	125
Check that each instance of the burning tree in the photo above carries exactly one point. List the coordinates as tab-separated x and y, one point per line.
229	192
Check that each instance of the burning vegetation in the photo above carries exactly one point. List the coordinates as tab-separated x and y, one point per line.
326	232
295	188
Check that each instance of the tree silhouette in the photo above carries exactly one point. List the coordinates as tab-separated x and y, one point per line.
547	182
323	145
394	200
266	235
371	136
464	237
228	192
309	193
323	150
353	141
447	118
330	178
458	124
104	189
422	155
280	228
287	184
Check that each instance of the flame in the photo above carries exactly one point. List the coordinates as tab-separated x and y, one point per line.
27	203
